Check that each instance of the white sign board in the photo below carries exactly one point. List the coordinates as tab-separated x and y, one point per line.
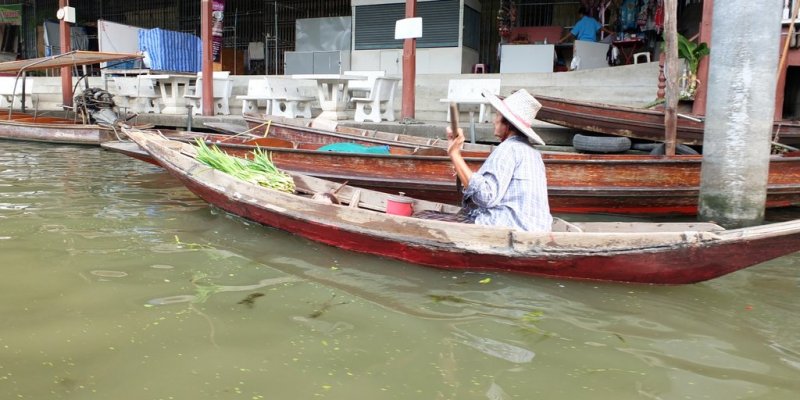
409	28
117	38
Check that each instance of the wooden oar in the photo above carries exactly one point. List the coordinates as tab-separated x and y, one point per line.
454	128
454	117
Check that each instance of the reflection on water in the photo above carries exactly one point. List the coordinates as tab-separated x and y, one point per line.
120	284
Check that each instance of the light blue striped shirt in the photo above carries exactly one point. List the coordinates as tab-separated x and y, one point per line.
510	188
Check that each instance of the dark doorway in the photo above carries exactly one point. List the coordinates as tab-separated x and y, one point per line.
791	94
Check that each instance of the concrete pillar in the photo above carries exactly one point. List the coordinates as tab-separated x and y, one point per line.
739	112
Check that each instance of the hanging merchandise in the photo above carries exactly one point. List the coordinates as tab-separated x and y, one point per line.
658	19
506	18
647	14
628	13
217	15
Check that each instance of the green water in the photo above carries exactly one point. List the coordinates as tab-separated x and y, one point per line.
120	284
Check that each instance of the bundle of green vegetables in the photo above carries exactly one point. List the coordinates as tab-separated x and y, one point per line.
260	170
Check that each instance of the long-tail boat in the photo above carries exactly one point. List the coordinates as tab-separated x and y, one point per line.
40	127
577	183
594	183
638	123
656	253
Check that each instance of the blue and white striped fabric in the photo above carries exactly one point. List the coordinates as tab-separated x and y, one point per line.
171	50
510	189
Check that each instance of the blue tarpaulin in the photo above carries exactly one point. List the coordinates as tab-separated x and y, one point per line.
354	148
171	51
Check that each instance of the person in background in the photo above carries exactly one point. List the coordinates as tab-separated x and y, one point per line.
586	28
510	188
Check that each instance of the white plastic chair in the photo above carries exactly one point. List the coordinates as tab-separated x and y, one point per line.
258	89
380	96
359	87
10	96
645	54
223	88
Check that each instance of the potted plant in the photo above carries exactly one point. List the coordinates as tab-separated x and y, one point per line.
691	53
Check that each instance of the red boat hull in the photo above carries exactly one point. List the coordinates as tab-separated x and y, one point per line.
671	266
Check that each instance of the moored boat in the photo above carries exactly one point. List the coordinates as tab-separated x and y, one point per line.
659	253
39	127
638	123
577	183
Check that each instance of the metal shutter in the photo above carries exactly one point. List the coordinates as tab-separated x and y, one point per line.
374	25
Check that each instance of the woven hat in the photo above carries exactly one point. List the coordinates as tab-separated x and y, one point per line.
520	109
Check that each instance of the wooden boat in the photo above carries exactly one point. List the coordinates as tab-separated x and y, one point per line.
638	123
659	253
289	129
38	127
577	183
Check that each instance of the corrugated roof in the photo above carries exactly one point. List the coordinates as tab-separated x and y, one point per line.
64	60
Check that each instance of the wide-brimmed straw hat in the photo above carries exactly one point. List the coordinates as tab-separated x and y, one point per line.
520	109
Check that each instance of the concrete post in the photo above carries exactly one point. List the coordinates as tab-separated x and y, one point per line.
739	113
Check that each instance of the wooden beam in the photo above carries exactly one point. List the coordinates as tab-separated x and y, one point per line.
409	67
672	71
65	44
699	105
207	60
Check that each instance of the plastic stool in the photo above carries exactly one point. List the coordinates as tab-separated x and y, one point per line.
479	69
645	54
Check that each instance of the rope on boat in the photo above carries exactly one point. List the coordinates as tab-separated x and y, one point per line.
247	132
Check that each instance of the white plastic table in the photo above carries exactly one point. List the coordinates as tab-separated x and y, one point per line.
332	93
173	87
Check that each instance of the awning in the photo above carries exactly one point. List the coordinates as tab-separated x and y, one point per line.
68	59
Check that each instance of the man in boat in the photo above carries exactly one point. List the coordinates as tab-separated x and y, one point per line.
586	28
510	188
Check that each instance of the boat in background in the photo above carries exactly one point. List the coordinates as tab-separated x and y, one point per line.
40	127
653	253
637	123
577	183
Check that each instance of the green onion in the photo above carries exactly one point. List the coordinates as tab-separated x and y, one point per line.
260	170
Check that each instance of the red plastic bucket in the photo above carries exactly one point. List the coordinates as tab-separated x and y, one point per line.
399	205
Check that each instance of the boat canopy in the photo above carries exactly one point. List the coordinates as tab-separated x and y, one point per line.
68	59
